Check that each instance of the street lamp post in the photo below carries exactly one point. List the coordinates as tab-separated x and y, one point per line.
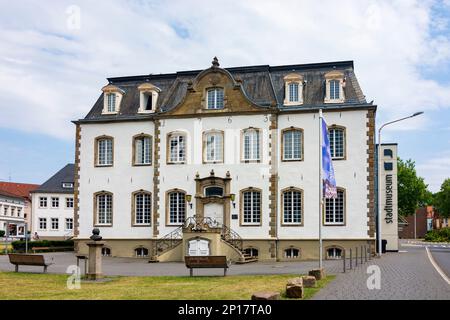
379	173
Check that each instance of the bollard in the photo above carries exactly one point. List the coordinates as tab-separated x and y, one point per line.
365	253
362	261
356	257
351	262
343	258
370	251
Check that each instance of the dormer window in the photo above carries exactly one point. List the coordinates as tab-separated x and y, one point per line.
293	84
112	98
334	83
215	98
67	185
148	97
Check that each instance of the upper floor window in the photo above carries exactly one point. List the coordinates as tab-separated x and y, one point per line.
103	208
104	151
292	145
292	206
251	207
13	211
148	94
69	202
337	142
213	148
111	102
293	84
177	148
42	202
67	185
69	224
19	212
176	207
335	209
251	145
112	96
142	208
215	98
334	83
142	150
55	202
55	223
42	223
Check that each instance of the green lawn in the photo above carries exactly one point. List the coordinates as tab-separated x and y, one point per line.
49	286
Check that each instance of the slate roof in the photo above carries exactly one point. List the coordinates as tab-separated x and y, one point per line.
263	84
18	189
54	184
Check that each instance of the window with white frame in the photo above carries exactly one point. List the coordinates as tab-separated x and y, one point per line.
69	223
293	92
177	207
5	210
106	252
69	203
104	207
335	88
104	151
251	145
55	223
251	207
42	223
148	94
55	202
334	253
337	142
293	83
214	147
142	207
291	253
13	211
335	209
252	252
215	98
292	207
67	185
141	252
292	145
19	212
177	148
335	83
42	202
142	150
111	102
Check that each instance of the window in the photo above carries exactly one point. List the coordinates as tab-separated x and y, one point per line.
55	223
334	89
334	253
292	206
334	83
104	151
334	209
141	252
177	207
293	92
251	207
13	211
69	202
213	192
292	145
148	97
142	208
337	143
293	83
104	208
214	147
291	253
177	148
111	102
69	223
251	144
142	150
106	252
19	212
252	252
55	202
42	223
42	202
215	98
5	210
67	185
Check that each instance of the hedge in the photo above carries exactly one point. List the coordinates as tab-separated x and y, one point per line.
440	235
54	244
2	233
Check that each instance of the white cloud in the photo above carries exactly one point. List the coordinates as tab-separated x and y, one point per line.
435	170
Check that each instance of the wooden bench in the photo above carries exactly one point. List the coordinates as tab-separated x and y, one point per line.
193	262
19	259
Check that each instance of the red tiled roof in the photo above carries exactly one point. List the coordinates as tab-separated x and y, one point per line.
18	189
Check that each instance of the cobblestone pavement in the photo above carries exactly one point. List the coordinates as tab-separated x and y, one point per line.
407	275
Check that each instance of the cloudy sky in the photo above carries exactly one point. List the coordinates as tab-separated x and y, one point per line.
55	57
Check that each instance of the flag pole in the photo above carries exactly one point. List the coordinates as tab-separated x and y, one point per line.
320	189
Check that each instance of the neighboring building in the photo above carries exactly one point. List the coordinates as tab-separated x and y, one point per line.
418	224
53	205
12	215
21	190
238	148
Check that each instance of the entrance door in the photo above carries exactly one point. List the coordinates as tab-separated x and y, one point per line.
198	247
214	211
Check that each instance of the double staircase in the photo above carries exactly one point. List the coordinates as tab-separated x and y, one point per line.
201	224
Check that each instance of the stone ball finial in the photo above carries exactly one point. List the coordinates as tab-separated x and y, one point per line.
96	235
215	62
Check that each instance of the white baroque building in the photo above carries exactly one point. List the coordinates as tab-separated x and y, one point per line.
225	161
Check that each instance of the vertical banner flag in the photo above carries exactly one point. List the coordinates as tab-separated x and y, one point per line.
329	181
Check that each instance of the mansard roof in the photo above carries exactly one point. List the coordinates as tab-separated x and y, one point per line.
263	85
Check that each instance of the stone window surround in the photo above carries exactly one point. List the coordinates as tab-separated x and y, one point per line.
335	126
334	75
302	149
204	149
167	200
260	146
148	89
169	136
292	248
133	208
334	224
293	78
112	89
95	216
96	153
333	247
133	156
241	208
290	224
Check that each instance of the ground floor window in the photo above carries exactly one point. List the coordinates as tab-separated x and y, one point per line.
55	223
252	252
141	252
69	223
334	253
43	223
106	252
291	253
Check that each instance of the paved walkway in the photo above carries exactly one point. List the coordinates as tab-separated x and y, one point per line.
407	275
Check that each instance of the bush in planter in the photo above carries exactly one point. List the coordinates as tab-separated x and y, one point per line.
54	244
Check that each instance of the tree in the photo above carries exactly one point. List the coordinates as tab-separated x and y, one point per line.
412	190
442	199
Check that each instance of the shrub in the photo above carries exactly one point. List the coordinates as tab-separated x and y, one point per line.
2	233
54	244
440	235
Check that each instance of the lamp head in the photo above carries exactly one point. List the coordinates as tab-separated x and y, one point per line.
417	114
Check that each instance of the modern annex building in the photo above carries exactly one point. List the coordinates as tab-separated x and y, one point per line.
224	161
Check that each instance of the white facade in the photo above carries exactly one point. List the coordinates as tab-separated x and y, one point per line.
12	216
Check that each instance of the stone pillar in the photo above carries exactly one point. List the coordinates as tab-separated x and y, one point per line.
95	260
